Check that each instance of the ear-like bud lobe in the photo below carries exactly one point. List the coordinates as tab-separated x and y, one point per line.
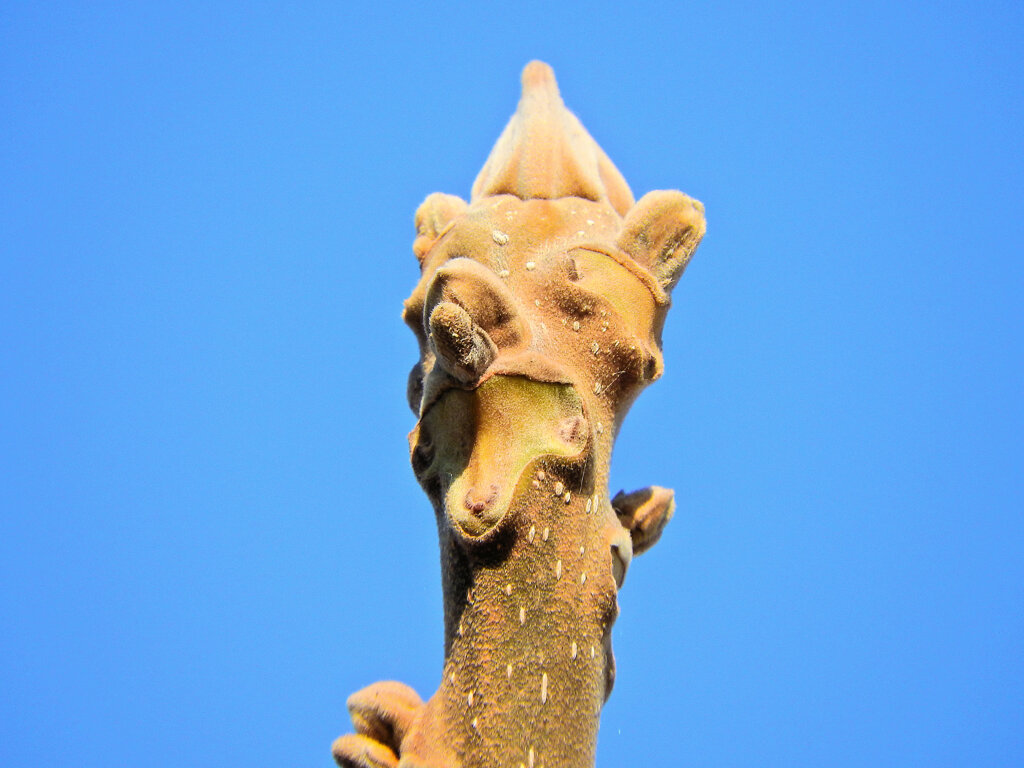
645	513
384	711
354	750
382	714
661	232
432	218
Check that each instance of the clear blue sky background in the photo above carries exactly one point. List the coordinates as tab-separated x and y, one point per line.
209	532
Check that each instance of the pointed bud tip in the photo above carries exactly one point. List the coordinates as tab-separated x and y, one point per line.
538	75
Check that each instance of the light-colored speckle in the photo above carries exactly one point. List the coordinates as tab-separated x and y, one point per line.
522	615
546	532
599	428
575	325
583	549
540	474
469	699
558	569
544	688
574	650
590	222
581	232
597	387
508	671
568	496
499	237
583	578
531	265
504	273
537	302
591	651
460	629
451	677
559	488
536	483
529	759
508	589
533	530
590	503
476	725
595	347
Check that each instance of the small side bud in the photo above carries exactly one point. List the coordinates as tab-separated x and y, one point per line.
462	347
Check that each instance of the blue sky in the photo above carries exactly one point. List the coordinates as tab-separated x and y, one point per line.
209	532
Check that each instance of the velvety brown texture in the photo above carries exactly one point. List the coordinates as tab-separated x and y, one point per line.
539	316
